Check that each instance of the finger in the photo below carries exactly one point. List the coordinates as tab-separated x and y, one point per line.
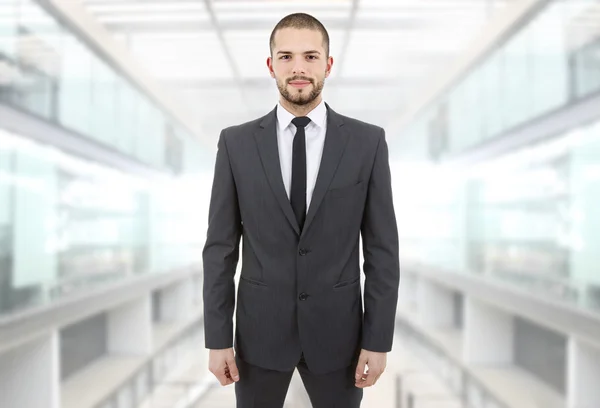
360	369
369	379
222	377
364	382
234	373
361	376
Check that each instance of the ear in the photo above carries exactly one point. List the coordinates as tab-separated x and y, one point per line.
270	66
329	65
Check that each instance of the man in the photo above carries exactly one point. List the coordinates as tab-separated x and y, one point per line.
300	185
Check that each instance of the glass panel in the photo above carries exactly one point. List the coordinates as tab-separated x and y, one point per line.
516	100
7	181
549	62
127	117
76	93
491	91
553	60
8	27
9	71
529	219
48	71
103	103
587	69
456	106
582	28
584	217
37	53
65	224
34	217
471	116
520	217
144	132
100	216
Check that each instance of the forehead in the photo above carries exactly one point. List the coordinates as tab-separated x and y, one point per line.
298	39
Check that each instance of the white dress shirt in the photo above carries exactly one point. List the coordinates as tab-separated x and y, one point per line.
315	139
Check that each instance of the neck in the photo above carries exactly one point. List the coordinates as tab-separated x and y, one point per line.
300	110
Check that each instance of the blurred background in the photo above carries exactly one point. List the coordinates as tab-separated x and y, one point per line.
110	111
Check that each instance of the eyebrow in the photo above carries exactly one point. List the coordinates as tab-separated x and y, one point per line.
306	52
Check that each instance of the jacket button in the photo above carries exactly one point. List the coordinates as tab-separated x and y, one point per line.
303	296
302	252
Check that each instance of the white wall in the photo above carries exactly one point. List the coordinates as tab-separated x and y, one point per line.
29	375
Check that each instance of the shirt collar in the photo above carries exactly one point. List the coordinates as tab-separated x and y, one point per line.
317	116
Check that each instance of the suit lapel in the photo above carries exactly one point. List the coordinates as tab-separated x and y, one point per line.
266	139
335	143
333	148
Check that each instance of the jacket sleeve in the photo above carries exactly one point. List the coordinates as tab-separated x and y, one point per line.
221	254
381	258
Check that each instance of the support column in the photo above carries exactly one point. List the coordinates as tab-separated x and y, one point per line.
435	305
130	328
176	301
583	375
29	375
488	334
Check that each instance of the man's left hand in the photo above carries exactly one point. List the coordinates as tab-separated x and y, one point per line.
375	362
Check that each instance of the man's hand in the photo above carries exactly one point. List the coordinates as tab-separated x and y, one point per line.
222	364
376	363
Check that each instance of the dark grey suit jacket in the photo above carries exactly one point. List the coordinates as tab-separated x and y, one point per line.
300	292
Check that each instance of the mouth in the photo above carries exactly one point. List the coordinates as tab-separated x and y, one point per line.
299	84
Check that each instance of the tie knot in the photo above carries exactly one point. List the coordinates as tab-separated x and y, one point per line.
301	121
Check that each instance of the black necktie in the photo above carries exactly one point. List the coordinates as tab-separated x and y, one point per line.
298	190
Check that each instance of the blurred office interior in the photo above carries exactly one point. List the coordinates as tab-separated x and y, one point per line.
110	112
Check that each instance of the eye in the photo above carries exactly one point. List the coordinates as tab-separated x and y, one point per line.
312	57
284	56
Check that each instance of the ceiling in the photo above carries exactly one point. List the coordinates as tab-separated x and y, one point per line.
212	53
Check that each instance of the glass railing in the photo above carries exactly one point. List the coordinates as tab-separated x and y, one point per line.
548	63
139	390
469	390
529	219
48	71
68	224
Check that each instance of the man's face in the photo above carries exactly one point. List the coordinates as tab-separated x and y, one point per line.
299	64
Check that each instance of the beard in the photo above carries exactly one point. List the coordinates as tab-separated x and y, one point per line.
302	96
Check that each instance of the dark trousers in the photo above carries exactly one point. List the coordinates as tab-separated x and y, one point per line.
262	388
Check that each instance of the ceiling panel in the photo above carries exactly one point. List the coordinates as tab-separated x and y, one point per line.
182	56
398	54
314	7
101	8
214	58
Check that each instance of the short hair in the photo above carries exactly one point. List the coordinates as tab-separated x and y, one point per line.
300	21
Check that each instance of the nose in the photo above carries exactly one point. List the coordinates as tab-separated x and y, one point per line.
298	68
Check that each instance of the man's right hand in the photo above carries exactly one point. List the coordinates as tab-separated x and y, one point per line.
222	364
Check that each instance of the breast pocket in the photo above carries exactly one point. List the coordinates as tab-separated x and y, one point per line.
346	190
344	205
